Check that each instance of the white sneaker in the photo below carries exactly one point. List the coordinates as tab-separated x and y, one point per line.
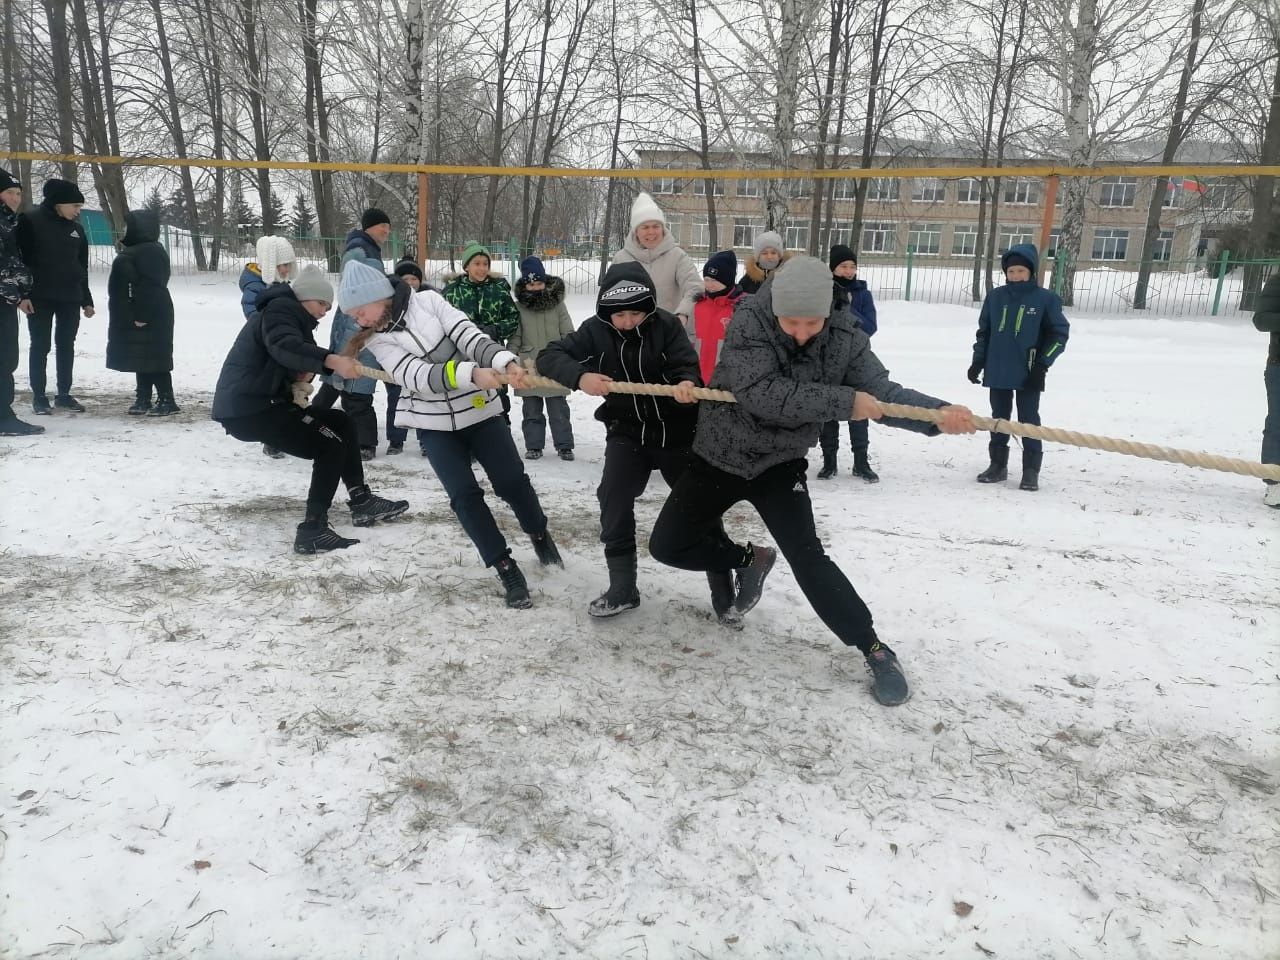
1272	496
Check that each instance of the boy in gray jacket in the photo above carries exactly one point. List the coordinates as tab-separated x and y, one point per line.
792	363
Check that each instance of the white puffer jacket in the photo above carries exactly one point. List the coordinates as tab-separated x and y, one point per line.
432	350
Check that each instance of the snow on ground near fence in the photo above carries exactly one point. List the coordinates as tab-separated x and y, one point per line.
213	748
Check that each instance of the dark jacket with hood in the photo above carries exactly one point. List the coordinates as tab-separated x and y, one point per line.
785	392
15	276
544	318
273	346
361	246
1020	324
138	293
657	351
855	296
1267	316
57	251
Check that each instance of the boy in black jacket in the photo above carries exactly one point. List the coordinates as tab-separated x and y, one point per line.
629	339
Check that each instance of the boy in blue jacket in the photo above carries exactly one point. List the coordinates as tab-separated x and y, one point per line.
851	294
1021	333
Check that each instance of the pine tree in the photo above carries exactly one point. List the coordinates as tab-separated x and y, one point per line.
174	210
303	219
245	219
155	203
277	214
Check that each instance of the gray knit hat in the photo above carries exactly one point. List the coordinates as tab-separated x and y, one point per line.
802	288
313	285
361	284
768	239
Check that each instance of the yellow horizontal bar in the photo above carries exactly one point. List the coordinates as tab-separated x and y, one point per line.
1039	170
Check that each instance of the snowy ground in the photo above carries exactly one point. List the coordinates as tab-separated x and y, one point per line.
212	748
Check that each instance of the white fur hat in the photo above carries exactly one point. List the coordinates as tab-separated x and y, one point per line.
644	210
272	252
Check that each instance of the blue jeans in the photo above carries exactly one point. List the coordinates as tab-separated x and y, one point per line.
490	441
1002	402
1271	426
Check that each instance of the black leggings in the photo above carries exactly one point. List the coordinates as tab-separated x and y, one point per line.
325	437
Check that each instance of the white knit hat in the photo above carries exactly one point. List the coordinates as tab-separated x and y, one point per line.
361	284
272	252
644	210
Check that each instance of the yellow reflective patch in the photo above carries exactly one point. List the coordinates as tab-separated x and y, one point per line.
478	402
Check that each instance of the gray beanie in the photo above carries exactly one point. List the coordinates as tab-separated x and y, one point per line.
768	239
312	285
361	284
802	288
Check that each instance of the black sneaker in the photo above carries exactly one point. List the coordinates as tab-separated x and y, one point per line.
65	401
749	583
424	451
888	682
140	408
545	548
513	582
533	454
722	596
565	454
371	509
272	452
13	427
164	408
40	405
395	449
316	536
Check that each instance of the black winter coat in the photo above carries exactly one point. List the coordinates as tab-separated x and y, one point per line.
271	348
15	278
1267	315
57	251
657	351
138	293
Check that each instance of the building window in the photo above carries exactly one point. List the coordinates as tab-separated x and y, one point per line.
666	185
1055	237
846	189
925	238
797	234
1118	191
1163	248
841	232
1110	244
1021	190
745	230
674	227
882	188
700	235
964	240
931	190
700	187
1219	194
800	188
969	190
1171	193
1013	235
750	188
879	236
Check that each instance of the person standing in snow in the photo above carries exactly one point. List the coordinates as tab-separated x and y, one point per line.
55	248
254	402
543	319
140	312
853	295
448	371
674	274
792	363
769	254
630	339
486	299
1267	319
1022	331
276	263
713	308
15	293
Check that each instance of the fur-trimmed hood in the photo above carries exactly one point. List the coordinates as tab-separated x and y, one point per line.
756	272
547	299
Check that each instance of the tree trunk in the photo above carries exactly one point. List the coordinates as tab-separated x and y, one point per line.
499	123
824	126
414	108
14	72
317	132
790	47
179	138
846	56
869	137
619	103
1083	40
60	57
108	179
1177	133
527	230
980	256
704	133
255	92
1264	203
213	72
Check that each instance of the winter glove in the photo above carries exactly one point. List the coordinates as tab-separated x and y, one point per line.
1035	378
975	373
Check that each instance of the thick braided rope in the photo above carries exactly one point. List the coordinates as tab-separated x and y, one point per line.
1132	448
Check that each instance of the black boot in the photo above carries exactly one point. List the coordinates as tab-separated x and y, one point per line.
140	407
272	452
749	582
165	407
316	536
40	405
722	597
622	594
998	472
862	467
828	465
546	550
13	427
514	583
367	508
1031	470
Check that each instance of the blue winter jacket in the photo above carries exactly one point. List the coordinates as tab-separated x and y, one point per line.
361	245
251	286
1020	324
345	327
854	296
